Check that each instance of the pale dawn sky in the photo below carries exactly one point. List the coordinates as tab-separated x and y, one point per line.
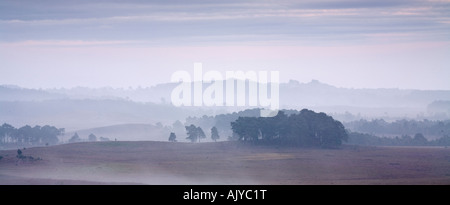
354	44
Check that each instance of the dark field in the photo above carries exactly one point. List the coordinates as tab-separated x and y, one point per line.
223	163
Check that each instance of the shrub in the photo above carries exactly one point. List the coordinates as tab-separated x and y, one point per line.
22	157
19	154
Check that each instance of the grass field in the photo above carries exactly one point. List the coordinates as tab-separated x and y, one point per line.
141	162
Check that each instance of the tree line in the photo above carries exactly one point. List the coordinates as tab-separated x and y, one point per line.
222	122
91	138
306	128
418	139
401	127
195	134
29	136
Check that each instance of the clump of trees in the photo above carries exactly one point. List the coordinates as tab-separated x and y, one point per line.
29	136
306	128
195	133
91	138
222	121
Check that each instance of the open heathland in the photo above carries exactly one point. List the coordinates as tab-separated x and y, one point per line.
148	162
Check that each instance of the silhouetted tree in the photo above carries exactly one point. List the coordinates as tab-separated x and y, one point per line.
201	134
406	140
246	128
19	153
172	137
92	138
214	134
75	138
23	134
7	133
192	133
49	134
420	140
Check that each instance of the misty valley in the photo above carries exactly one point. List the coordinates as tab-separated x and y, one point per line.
147	113
320	135
328	92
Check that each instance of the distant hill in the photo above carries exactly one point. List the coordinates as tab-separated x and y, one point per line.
15	93
293	93
75	114
439	107
155	94
316	93
81	108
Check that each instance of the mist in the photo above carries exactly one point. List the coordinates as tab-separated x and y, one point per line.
87	92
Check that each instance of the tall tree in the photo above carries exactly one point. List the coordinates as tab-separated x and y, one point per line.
6	133
23	134
192	133
214	134
36	135
201	134
195	133
9	133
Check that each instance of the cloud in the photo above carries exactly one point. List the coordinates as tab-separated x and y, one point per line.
136	11
343	4
65	43
182	17
291	20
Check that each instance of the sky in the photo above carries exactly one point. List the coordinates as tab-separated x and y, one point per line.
354	44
